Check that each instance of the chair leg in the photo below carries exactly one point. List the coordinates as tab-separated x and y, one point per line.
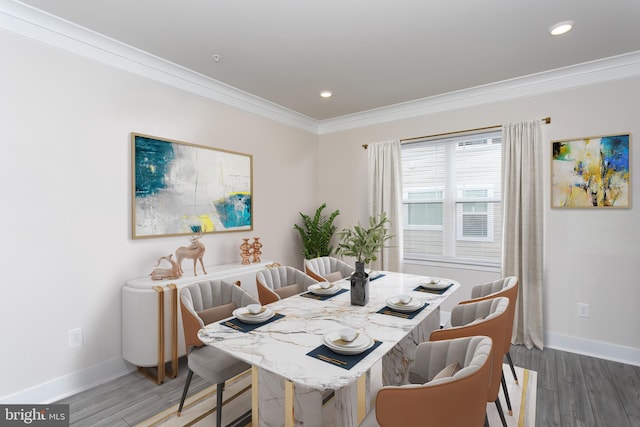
499	407
506	393
220	389
184	392
513	370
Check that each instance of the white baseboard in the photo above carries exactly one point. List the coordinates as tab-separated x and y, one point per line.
70	384
599	349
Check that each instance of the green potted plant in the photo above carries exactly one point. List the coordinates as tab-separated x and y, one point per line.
316	233
363	244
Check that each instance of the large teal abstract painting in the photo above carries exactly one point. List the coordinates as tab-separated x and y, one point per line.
181	188
591	172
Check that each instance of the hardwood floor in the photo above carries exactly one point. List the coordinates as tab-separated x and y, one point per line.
572	391
582	391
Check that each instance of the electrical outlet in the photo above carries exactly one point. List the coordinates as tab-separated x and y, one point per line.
75	337
583	309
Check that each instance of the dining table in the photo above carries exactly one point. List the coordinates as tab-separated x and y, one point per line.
293	369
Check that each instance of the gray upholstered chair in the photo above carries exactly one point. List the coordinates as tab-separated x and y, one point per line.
506	287
327	268
200	304
451	380
275	283
488	318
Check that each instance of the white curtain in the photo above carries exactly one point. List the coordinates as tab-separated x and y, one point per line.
522	191
385	195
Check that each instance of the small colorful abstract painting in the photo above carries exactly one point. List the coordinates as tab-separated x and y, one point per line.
181	188
591	172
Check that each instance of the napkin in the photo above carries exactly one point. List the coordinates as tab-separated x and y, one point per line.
433	291
240	326
391	312
344	361
322	297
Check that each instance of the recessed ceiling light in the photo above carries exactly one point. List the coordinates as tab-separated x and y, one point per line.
561	28
326	94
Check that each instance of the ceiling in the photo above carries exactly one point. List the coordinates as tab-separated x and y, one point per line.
370	53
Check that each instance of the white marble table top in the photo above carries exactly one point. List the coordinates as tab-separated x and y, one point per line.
281	346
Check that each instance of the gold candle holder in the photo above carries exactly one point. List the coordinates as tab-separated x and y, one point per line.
256	249
245	253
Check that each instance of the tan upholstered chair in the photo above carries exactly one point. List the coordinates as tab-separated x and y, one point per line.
488	318
508	288
275	283
327	268
452	378
200	304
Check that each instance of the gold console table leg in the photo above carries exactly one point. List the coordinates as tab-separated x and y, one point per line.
174	330
158	377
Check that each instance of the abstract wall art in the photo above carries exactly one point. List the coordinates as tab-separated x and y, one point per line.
591	172
181	188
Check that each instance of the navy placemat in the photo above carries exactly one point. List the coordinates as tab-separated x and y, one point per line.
391	312
239	325
323	297
433	291
325	354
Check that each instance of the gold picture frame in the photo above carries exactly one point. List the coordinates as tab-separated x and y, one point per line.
180	188
591	172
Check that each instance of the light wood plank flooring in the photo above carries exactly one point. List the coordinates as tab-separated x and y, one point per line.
572	391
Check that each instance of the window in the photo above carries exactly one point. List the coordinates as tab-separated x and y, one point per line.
452	199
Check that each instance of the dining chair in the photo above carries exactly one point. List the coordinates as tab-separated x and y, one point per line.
275	283
200	304
488	318
452	378
327	268
506	287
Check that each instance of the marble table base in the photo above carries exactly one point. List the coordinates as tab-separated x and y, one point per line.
278	402
396	363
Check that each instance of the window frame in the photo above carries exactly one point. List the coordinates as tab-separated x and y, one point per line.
453	204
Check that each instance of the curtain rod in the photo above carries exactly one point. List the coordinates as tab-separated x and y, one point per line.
546	120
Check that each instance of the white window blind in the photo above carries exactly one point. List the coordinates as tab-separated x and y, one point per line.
452	199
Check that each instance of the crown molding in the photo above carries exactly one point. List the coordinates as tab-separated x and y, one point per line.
23	20
601	70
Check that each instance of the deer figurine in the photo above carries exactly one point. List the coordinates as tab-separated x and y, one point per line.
194	251
166	273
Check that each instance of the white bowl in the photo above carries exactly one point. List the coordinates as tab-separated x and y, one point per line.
347	334
254	308
325	285
403	299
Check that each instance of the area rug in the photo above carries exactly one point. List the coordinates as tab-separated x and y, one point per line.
200	410
523	399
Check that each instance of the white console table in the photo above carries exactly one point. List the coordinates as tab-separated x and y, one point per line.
151	321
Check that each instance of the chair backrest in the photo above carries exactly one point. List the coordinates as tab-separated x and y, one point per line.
456	400
506	287
275	283
488	318
207	302
327	269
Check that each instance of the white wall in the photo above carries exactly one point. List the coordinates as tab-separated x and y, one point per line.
591	256
65	217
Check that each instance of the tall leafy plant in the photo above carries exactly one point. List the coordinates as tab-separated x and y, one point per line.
316	233
364	243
